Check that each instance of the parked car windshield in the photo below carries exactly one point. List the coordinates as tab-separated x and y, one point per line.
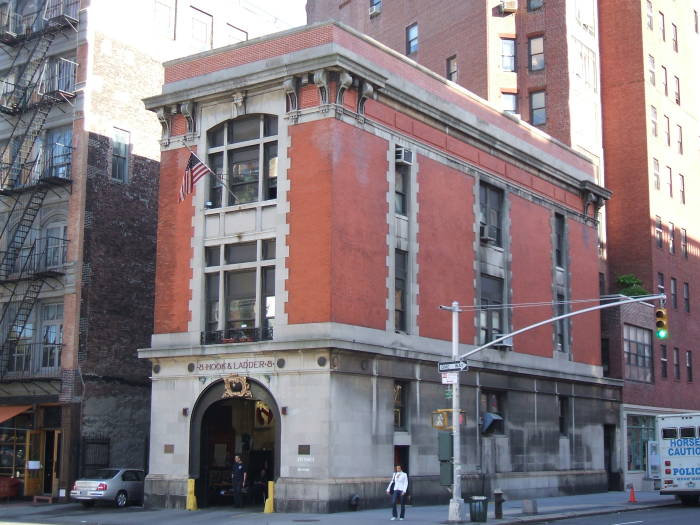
105	473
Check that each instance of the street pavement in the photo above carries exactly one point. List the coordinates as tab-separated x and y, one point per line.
549	509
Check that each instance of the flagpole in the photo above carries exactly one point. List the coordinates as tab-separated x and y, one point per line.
212	172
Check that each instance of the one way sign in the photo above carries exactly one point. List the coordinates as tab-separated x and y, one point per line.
453	366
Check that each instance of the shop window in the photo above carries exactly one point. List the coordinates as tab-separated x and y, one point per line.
640	430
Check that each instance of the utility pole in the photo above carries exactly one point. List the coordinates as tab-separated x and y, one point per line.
457	503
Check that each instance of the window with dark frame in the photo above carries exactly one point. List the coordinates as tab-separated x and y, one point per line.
451	68
672	238
400	287
564	415
674	292
120	154
559	240
669	181
674	36
654	127
667	122
562	325
659	232
695	21
492	412
401	173
657	177
681	187
684	243
679	139
689	366
535	51
664	361
676	364
662	26
538	111
490	214
491	314
677	90
686	297
411	39
400	405
660	281
508	54
638	354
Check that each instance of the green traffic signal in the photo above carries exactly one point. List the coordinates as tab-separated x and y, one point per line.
661	323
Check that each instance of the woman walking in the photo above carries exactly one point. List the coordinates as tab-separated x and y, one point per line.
397	489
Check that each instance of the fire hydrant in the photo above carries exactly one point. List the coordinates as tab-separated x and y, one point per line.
498	500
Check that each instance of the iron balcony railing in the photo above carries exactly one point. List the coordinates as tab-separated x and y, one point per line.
61	8
58	77
54	163
15	25
236	335
46	256
26	360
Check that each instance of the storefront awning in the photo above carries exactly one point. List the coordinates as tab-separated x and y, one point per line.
8	412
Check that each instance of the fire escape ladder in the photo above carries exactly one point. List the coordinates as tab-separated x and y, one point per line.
24	226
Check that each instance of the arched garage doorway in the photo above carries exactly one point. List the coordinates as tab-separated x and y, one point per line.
234	415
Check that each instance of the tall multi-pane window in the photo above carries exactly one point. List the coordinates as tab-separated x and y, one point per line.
669	180
411	39
664	79
689	365
120	154
640	430
664	361
536	53
660	281
676	363
681	187
667	123
652	70
659	232
400	405
509	102
491	308
243	273
686	297
672	238
561	328
490	214
674	292
538	111
508	54
662	26
451	68
401	189
657	178
679	139
237	150
559	240
674	37
638	354
677	89
684	243
650	15
654	127
51	335
400	289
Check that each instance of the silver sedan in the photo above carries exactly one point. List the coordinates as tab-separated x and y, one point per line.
117	485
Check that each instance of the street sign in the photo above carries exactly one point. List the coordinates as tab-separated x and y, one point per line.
452	366
450	378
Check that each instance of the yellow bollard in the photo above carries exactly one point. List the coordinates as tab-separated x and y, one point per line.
191	498
270	501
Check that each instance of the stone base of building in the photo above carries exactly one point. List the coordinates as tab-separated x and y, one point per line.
342	495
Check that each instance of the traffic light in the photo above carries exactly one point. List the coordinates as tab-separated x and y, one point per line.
661	323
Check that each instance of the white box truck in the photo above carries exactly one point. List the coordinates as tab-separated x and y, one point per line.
678	441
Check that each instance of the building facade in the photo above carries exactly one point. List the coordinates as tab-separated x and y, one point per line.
297	318
79	181
583	70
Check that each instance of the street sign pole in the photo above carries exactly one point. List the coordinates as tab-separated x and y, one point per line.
456	503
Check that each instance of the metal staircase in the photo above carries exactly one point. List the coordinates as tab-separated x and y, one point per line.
26	100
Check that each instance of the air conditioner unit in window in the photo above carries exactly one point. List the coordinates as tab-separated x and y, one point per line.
374	10
487	234
404	156
509	6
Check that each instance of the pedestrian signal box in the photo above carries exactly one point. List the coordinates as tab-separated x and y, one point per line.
661	323
445	455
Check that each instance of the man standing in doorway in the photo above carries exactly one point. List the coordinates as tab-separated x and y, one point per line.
239	477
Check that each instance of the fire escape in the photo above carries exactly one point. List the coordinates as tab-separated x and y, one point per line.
29	89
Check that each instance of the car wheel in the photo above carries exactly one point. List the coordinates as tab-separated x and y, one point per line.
87	503
121	499
689	500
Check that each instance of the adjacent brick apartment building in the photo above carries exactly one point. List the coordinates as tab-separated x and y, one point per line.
554	62
298	289
78	185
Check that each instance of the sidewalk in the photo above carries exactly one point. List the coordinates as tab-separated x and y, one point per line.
549	509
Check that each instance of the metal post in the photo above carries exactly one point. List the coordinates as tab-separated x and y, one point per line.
456	503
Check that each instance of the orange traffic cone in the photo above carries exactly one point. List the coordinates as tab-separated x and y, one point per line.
632	498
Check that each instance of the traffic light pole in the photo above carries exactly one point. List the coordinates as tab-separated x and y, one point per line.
457	502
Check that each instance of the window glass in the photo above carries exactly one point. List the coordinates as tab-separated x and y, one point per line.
244	128
638	354
536	53
400	278
411	39
268	249
491	319
508	54
120	154
271	170
509	102
687	432
669	433
240	299
215	136
534	4
241	253
451	68
640	430
538	112
243	174
211	255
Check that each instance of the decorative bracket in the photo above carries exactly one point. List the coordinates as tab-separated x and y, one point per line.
321	81
290	86
187	111
239	108
344	82
367	91
164	119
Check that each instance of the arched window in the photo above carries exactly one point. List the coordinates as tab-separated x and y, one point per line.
237	149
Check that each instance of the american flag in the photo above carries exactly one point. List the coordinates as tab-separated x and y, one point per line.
194	171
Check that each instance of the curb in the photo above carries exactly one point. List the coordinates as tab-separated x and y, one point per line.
541	518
